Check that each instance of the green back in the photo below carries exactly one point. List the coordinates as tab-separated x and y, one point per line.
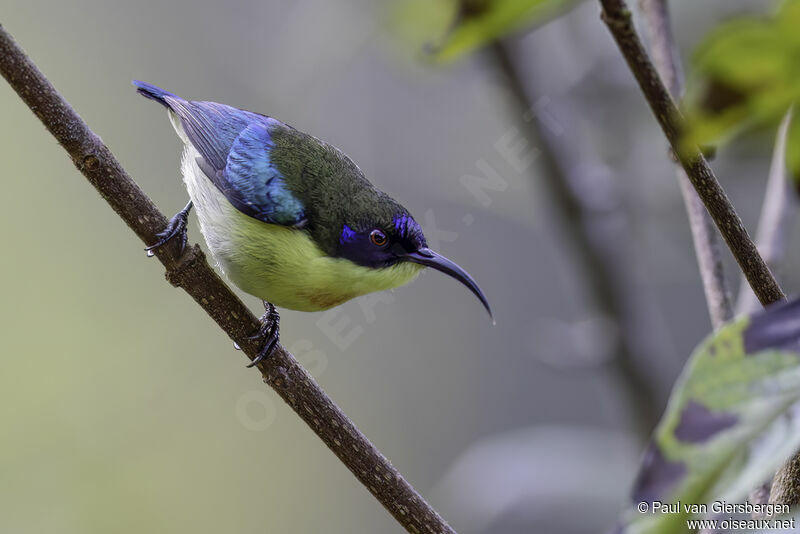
332	188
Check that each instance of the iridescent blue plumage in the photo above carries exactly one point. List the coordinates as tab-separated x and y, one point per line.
408	228
235	147
255	182
290	218
348	235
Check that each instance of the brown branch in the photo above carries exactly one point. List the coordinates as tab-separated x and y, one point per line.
585	224
704	235
617	16
777	215
786	483
192	273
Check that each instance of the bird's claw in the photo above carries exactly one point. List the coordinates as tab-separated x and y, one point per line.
176	227
269	333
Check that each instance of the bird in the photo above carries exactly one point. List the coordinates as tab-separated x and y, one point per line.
289	218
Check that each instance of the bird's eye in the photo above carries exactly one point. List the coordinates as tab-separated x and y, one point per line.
378	238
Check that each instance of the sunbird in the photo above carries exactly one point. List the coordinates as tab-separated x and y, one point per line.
289	218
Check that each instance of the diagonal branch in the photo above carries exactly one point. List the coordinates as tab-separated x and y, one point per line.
617	16
192	273
706	239
777	215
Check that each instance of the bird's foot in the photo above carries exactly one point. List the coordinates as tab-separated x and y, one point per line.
176	227
269	333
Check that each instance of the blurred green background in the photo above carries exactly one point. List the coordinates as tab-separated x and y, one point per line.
124	408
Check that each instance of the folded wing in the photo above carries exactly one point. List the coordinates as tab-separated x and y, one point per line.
235	147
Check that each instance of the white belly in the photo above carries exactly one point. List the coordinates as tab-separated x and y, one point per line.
278	264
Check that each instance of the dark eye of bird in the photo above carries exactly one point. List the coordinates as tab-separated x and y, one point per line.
378	238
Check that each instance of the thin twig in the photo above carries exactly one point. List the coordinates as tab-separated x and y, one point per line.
584	219
617	16
192	273
705	236
777	215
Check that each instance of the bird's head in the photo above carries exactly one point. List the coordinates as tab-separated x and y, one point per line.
385	237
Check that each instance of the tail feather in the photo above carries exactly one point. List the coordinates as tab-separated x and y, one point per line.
152	92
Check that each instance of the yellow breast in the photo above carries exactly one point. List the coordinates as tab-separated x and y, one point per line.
278	264
284	266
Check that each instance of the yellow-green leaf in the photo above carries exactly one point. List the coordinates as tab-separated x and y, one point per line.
740	387
745	74
482	21
474	23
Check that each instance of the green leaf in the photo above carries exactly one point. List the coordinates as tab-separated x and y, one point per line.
731	421
745	74
475	23
481	22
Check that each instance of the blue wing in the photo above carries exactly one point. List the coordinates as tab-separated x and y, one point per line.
235	147
254	185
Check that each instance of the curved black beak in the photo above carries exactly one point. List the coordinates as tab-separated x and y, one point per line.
429	258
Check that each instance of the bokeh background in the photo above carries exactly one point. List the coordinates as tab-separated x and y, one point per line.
124	409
